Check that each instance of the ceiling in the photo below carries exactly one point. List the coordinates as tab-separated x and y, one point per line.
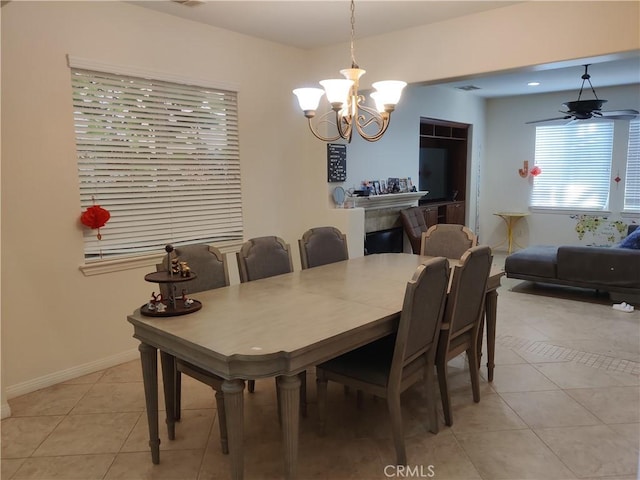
318	23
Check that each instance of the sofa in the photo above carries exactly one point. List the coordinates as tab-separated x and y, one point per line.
611	269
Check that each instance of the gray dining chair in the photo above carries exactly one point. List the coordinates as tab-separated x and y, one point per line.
211	269
414	225
389	366
322	245
462	321
264	257
447	240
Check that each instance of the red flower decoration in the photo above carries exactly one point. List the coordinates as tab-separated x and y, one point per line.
535	171
95	217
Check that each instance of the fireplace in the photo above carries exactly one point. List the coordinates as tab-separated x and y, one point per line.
389	240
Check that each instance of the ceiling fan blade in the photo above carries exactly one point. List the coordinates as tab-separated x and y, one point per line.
549	120
621	114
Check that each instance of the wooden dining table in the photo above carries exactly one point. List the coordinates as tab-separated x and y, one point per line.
279	327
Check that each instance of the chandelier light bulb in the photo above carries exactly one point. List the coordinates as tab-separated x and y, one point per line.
309	98
388	92
337	90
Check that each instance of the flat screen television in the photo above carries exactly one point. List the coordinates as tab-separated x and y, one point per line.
433	174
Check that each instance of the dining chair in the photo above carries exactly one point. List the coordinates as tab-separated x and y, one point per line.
414	225
447	240
322	245
389	366
264	257
462	321
211	269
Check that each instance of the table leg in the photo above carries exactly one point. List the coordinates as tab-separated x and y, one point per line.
491	308
169	383
149	360
233	391
289	387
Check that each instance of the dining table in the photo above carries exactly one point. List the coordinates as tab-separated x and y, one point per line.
278	327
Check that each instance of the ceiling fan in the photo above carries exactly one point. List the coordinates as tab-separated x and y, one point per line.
586	109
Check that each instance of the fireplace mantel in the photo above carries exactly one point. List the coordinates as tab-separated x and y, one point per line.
390	200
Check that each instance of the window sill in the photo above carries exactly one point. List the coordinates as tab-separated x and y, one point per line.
568	211
99	267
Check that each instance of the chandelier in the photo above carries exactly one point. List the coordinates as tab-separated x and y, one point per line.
348	105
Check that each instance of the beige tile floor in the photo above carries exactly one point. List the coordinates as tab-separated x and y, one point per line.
564	404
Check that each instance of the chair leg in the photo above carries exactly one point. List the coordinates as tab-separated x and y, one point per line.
321	383
444	392
178	395
395	412
251	386
430	384
222	421
474	369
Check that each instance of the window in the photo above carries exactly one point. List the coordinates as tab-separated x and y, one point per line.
576	166
632	182
162	157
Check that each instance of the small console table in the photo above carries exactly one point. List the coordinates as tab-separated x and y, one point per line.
510	219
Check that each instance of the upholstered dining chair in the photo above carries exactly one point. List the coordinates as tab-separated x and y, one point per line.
211	269
264	257
389	366
414	225
462	321
322	245
447	240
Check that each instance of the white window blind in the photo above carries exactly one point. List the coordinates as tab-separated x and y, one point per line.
162	157
575	161
632	181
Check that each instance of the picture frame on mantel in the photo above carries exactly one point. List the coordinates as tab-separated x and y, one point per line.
376	187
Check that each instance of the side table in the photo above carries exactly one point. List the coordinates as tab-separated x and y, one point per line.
510	220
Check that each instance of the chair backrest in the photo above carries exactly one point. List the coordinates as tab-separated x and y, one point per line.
263	257
207	262
465	303
422	314
322	245
447	240
414	225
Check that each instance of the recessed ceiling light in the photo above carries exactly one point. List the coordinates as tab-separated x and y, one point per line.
533	84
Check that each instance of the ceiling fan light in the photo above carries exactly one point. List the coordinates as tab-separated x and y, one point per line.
388	92
308	98
337	90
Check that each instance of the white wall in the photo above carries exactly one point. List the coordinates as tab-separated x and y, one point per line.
57	322
510	141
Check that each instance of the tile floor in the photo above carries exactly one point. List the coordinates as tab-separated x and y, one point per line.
564	404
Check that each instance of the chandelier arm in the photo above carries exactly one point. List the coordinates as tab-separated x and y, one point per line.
346	130
323	119
380	119
377	135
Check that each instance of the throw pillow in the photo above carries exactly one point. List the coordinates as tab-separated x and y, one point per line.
632	240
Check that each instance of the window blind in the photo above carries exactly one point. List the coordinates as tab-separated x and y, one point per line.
162	157
632	181
575	161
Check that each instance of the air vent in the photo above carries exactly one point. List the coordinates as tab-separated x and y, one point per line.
189	3
468	88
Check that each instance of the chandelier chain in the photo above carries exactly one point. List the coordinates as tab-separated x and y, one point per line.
353	34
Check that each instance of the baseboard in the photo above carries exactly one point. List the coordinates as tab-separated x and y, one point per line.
68	374
5	410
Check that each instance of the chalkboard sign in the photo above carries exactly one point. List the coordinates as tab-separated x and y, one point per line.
336	162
